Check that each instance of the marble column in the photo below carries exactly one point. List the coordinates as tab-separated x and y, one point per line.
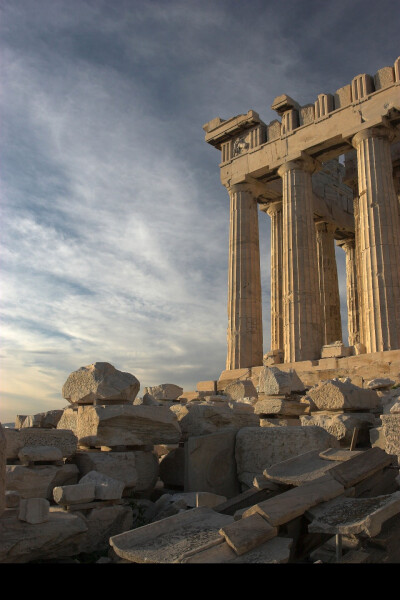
274	210
353	324
245	335
302	326
328	282
379	241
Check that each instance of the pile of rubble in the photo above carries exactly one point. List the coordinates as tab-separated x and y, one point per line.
248	473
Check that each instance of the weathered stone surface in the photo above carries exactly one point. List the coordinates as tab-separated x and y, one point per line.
39	481
21	542
338	395
380	383
164	391
46	420
102	523
246	534
299	469
276	550
63	439
29	454
147	400
354	515
209	499
391	434
127	425
172	468
34	510
335	350
106	488
69	420
279	422
363	465
12	499
257	448
204	418
210	464
237	390
273	381
338	454
294	503
3	460
167	540
138	470
341	425
100	380
395	409
209	386
80	493
279	406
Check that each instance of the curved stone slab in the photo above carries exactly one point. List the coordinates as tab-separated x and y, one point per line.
166	541
299	469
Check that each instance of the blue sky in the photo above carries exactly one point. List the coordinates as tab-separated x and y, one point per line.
114	224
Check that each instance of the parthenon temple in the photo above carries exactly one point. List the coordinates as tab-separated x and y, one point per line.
290	169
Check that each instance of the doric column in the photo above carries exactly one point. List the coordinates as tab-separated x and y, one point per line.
274	210
353	325
328	282
245	338
379	241
302	328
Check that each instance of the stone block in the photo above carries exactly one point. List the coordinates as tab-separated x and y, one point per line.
69	419
363	465
248	498
172	468
380	383
257	448
279	422
34	510
237	390
335	350
341	425
12	499
384	77
273	381
100	380
342	97
209	499
80	493
164	391
275	551
299	469
39	481
205	418
29	454
166	541
391	433
207	386
105	487
279	406
338	395
294	503
127	425
63	439
210	464
247	534
46	420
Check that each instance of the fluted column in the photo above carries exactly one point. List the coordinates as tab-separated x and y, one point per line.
274	210
353	325
328	282
245	338
302	327
379	241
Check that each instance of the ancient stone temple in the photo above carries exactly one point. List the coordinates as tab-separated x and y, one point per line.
290	170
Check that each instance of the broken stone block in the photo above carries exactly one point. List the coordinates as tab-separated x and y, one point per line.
102	523
22	542
237	390
335	350
380	383
69	420
63	439
299	469
274	357
12	499
100	380
40	480
164	391
337	395
34	510
106	488
205	418
362	465
279	422
80	493
207	386
273	381
127	425
391	434
166	541
257	448
341	425
352	516
172	468
210	464
279	406
247	534
147	400
209	499
294	503
46	420
395	409
29	454
138	470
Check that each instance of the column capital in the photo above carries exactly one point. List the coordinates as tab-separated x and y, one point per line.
380	131
271	208
305	163
346	244
327	226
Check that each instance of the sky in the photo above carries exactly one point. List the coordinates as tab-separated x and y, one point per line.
114	224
